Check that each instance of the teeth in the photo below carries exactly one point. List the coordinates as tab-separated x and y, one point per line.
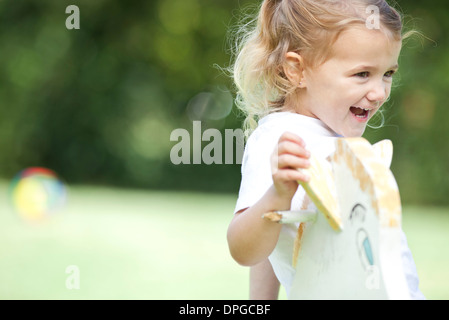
363	114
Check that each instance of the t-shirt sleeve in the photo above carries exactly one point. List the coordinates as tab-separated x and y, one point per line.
256	171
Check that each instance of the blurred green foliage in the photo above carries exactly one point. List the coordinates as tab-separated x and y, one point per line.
98	104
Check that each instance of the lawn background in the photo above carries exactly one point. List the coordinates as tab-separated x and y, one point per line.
131	244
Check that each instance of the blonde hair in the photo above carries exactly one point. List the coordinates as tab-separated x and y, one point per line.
306	26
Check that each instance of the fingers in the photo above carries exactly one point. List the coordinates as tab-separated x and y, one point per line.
292	144
289	156
292	161
291	175
288	136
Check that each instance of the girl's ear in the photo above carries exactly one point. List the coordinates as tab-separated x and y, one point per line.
294	68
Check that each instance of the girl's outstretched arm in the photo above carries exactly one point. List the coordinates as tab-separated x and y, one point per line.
251	239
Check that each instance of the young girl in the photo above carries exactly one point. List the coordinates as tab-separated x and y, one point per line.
311	71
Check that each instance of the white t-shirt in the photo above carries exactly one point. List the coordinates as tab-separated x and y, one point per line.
256	179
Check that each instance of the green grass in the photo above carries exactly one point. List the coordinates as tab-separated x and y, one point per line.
127	245
427	232
159	245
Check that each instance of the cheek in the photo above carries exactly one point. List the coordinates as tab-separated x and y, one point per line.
332	96
336	93
387	94
335	101
388	91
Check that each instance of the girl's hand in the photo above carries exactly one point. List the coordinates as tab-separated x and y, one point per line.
289	155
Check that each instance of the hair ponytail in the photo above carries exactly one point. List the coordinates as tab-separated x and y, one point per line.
256	66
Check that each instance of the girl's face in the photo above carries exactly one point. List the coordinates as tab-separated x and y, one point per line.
351	86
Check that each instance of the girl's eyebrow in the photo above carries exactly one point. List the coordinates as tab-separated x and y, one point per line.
395	67
367	67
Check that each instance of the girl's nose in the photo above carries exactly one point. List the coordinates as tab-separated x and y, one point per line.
378	92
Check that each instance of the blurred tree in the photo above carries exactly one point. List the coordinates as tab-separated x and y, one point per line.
98	104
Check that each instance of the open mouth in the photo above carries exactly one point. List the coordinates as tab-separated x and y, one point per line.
360	113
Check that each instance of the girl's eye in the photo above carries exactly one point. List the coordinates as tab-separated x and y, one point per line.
364	74
390	73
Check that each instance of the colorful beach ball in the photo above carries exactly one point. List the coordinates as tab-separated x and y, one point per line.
36	193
